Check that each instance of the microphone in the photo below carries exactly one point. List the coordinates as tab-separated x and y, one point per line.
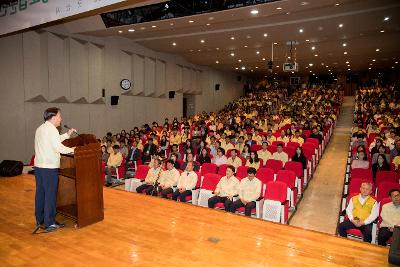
67	127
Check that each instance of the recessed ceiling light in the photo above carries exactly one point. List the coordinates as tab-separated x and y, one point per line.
257	52
386	18
396	62
307	40
256	67
310	71
191	21
347	62
341	25
153	26
254	12
263	58
243	67
275	43
208	24
120	31
370	64
377	50
304	3
279	8
301	30
236	68
348	65
337	4
373	60
348	69
312	47
248	36
310	64
382	31
344	44
191	50
292	72
211	18
131	30
369	68
199	50
345	52
217	62
202	41
217	48
245	46
232	38
239	60
265	34
232	54
143	28
172	24
174	44
392	67
277	66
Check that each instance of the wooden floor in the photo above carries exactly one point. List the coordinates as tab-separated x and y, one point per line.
148	231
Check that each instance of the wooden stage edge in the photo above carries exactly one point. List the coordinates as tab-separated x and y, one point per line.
141	230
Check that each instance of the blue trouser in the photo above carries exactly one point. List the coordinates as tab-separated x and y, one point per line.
46	195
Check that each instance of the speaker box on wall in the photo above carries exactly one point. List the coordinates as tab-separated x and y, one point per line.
171	94
217	87
114	100
103	92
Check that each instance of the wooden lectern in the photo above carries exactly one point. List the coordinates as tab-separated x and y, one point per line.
80	189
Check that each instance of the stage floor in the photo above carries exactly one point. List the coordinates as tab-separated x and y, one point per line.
147	231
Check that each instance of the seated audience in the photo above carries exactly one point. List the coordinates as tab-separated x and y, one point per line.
316	134
300	157
152	177
246	152
186	183
390	215
190	158
297	138
227	188
234	160
361	162
380	165
149	150
249	192
168	179
361	211
204	157
381	150
280	155
113	162
104	154
264	154
220	158
253	161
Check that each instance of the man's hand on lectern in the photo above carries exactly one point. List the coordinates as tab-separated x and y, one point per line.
71	131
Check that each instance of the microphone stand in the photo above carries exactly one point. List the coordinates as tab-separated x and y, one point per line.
156	182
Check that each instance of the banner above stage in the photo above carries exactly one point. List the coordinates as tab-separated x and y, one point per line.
22	14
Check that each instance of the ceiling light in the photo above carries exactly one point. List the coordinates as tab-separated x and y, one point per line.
369	68
131	30
248	36
292	72
211	18
392	67
341	25
256	67
396	62
258	52
174	44
232	38
279	8
143	28
199	50
344	44
202	41
245	46
236	68
322	63
153	26
275	43
301	30
217	62
208	24
337	4
277	66
382	31
191	21
232	54
217	48
348	69
265	34
310	71
312	47
239	60
373	60
254	12
191	50
304	3
243	67
377	50
120	31
370	64
386	19
263	58
348	65
345	52
316	55
347	62
307	40
172	24
310	64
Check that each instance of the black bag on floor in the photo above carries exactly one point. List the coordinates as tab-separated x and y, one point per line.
9	168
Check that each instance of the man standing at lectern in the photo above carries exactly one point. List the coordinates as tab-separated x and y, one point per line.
48	148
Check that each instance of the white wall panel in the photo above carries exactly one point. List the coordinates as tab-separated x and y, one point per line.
79	69
186	79
138	74
179	78
31	52
96	71
150	79
160	78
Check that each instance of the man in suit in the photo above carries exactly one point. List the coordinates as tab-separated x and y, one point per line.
250	140
133	155
149	150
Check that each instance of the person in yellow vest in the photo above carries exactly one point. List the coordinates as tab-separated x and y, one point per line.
264	154
175	137
361	212
234	160
297	138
